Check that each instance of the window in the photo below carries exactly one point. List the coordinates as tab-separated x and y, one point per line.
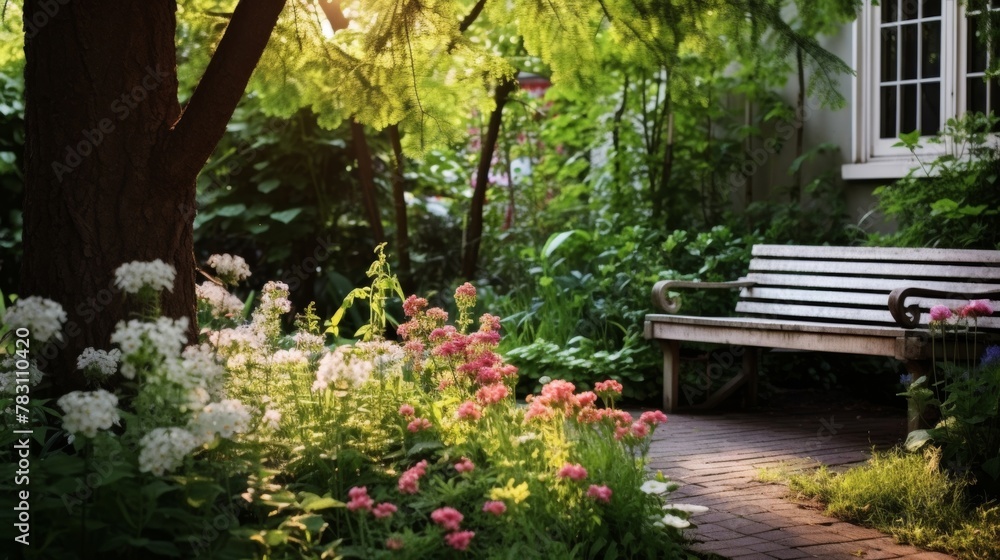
919	63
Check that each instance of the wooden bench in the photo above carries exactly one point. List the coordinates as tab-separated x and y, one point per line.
856	300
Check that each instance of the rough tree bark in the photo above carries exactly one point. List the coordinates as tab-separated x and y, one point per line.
474	227
111	159
399	204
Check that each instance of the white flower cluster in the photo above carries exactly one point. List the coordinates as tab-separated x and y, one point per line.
166	336
132	276
100	362
272	418
8	375
341	369
230	268
224	418
163	449
222	303
42	317
243	337
274	298
293	357
88	412
201	363
308	342
386	357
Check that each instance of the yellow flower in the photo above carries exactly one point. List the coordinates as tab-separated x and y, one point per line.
516	494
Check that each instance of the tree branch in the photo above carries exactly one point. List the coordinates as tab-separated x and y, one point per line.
203	121
471	18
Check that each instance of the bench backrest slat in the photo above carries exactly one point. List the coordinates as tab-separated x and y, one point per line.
900	254
865	268
852	284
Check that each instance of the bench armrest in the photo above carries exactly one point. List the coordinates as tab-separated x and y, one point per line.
909	316
673	305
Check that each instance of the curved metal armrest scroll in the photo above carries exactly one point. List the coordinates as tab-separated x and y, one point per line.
672	305
909	316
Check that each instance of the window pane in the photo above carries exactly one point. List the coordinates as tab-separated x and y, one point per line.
910	8
975	48
932	8
889	54
930	108
975	99
889	9
908	51
931	43
908	108
887	126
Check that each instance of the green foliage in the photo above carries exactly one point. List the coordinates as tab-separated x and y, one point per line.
968	397
908	496
384	284
953	200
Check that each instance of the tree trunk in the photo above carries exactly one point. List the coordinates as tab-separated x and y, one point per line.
366	177
800	107
109	167
399	204
474	226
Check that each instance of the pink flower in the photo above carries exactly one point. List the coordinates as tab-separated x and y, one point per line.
468	411
573	472
384	510
495	507
589	415
640	429
609	388
977	308
620	432
488	376
466	291
492	394
406	410
653	417
489	322
414	305
459	540
940	313
447	517
539	408
600	493
394	543
619	417
464	465
414	347
437	314
558	391
409	480
586	398
359	499
419	424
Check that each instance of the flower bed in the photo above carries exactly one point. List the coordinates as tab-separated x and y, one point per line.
259	444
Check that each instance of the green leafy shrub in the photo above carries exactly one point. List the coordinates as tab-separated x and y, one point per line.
953	200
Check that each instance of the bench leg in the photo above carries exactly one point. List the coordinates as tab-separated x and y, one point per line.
671	374
751	359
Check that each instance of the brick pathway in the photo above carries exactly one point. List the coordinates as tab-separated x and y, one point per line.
715	457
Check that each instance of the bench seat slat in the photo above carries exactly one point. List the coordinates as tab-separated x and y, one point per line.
853	314
878	254
861	268
869	284
834	338
754	323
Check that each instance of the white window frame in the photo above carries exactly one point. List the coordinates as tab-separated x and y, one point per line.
873	157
